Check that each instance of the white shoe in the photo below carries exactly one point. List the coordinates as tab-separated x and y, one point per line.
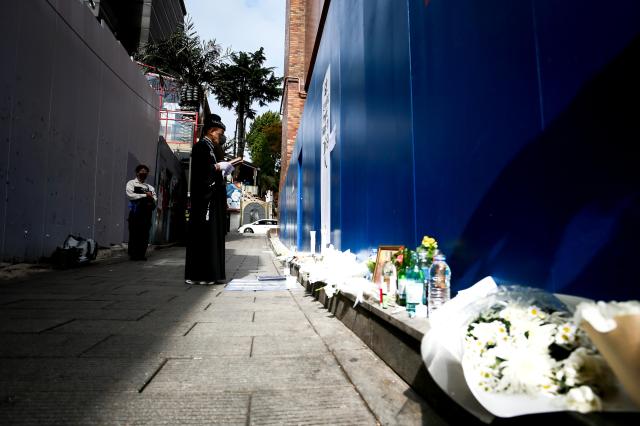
189	282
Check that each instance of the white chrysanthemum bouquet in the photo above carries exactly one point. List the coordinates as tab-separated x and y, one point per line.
523	341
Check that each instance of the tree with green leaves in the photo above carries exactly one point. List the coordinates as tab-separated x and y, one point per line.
184	56
264	141
242	82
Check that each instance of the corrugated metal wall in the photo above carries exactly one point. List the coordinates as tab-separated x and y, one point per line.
76	116
505	129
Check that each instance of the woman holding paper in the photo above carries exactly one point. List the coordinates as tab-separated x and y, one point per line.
207	220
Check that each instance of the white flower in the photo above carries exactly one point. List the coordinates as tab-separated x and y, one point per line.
509	350
566	334
535	312
583	399
489	333
520	318
583	367
536	336
525	370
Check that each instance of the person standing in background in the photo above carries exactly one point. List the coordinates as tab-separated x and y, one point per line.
142	200
207	220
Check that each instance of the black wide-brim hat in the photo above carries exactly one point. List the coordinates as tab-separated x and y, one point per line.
213	121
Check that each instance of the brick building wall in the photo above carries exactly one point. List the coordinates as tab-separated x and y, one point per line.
302	23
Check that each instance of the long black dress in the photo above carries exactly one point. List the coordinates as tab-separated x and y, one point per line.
207	220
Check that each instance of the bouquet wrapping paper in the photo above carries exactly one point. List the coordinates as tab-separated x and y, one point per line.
615	330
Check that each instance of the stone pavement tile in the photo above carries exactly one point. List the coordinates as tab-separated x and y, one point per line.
247	374
202	315
389	397
58	304
337	405
115	327
130	304
75	374
65	408
50	289
233	305
146	295
31	325
8	299
168	346
277	305
151	289
289	314
223	328
131	315
273	295
49	345
337	336
288	346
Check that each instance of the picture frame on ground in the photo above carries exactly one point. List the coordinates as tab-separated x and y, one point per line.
384	253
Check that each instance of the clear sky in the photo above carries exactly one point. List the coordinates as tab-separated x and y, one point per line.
242	25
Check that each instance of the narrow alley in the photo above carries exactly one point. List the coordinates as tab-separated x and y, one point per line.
120	342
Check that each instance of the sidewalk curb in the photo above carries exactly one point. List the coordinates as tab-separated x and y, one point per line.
279	249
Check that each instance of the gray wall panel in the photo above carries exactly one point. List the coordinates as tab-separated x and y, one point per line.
74	112
28	153
60	147
109	120
10	23
86	135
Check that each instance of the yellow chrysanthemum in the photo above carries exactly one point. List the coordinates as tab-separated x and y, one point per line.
428	241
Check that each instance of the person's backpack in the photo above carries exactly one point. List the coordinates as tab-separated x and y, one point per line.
74	251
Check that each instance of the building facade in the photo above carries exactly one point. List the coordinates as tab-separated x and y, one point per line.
304	18
137	22
504	129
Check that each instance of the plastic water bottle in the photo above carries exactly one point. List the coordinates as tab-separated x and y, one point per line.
439	282
424	262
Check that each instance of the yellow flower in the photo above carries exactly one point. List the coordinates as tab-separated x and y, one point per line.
428	241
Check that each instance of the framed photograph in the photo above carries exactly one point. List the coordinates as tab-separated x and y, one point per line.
384	254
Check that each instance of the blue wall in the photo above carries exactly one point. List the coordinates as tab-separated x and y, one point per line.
502	128
372	163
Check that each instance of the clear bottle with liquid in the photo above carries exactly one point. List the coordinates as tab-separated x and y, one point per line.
415	286
424	262
439	282
389	282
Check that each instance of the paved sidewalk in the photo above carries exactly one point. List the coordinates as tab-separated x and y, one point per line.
124	342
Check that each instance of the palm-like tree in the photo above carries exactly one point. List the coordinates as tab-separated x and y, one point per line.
185	56
241	83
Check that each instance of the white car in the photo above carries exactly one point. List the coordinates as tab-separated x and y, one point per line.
259	226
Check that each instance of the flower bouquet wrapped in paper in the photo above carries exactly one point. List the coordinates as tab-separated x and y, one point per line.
508	351
614	328
522	344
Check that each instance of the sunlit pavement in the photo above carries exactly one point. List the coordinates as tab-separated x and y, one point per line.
123	342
